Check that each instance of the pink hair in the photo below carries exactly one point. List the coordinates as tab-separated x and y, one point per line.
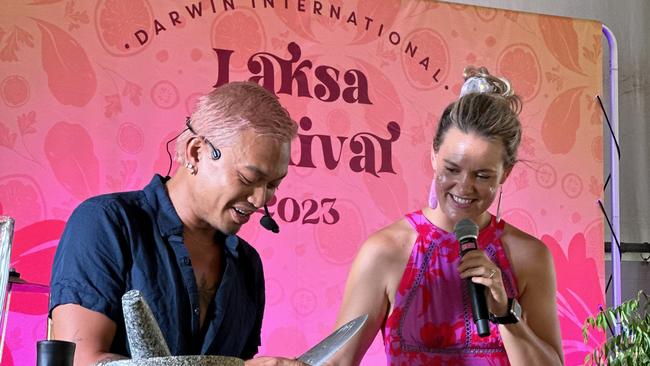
225	112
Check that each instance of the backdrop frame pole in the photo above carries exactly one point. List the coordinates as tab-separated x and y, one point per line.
614	157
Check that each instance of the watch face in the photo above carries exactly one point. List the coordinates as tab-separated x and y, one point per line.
512	316
515	309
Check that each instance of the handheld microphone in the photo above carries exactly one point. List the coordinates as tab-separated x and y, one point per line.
268	223
466	232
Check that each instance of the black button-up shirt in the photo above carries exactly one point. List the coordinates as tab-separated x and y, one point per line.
134	240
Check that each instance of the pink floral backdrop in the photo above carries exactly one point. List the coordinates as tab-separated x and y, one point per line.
90	92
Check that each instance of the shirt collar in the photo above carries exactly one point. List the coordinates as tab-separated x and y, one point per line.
232	242
166	217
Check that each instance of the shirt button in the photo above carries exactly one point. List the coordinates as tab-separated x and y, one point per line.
196	310
186	261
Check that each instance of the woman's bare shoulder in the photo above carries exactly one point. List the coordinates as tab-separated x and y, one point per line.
390	242
521	243
530	257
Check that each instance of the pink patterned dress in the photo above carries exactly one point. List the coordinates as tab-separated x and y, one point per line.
431	322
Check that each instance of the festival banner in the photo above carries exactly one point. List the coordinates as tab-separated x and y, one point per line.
91	91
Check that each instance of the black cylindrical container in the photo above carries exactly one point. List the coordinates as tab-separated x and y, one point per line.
55	353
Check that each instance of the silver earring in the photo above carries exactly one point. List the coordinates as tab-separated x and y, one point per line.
190	167
499	206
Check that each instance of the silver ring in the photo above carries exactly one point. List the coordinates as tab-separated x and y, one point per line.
492	272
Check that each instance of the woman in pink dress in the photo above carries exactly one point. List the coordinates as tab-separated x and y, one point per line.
409	277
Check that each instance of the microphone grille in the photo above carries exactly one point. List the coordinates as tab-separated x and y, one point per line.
465	228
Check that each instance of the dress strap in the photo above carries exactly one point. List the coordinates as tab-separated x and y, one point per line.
414	218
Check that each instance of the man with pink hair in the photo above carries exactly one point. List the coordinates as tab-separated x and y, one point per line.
175	241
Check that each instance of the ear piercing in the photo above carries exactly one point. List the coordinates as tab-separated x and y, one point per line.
191	168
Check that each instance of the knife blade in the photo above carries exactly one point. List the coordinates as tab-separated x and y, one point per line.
326	348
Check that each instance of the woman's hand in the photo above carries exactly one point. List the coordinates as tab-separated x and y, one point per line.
477	266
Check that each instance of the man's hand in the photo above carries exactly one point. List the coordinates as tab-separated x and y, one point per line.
273	361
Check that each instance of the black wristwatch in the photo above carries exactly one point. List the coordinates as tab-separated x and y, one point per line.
512	316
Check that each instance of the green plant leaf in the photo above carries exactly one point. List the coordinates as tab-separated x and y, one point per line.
632	346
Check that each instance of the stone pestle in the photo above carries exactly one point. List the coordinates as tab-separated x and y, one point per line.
142	330
148	346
